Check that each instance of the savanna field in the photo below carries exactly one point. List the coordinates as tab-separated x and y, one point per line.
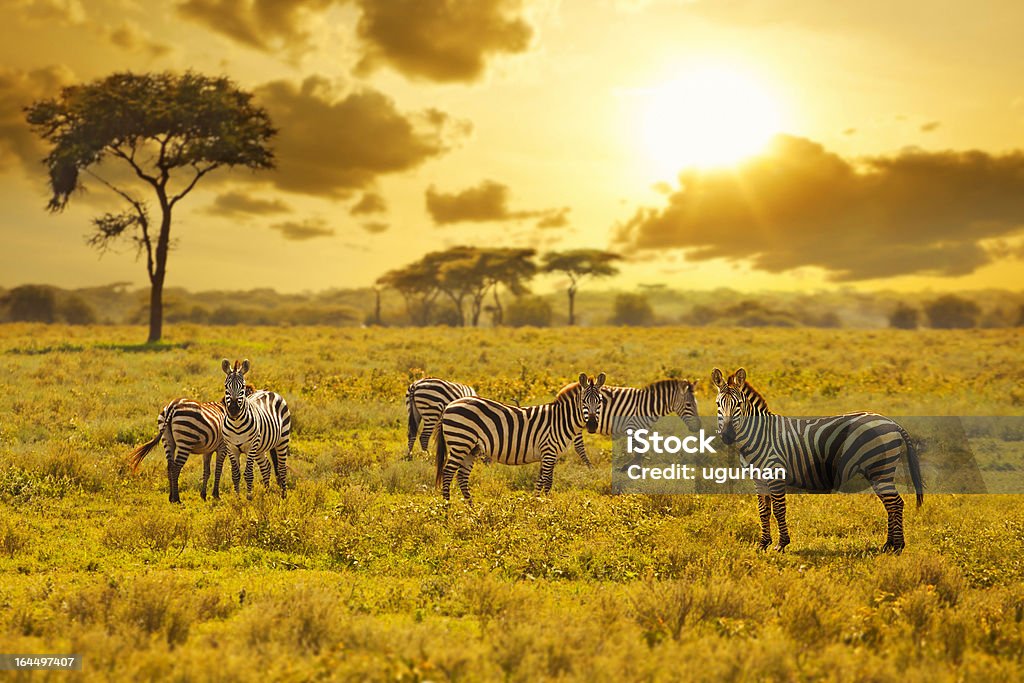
362	574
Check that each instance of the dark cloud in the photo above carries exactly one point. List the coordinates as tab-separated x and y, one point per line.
930	126
801	205
485	202
332	146
556	218
261	24
371	202
440	40
375	227
303	230
130	36
18	89
236	203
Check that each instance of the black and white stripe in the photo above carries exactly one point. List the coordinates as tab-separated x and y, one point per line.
255	424
425	400
638	408
819	454
512	435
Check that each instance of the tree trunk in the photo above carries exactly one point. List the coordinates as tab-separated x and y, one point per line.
376	308
156	292
572	305
499	312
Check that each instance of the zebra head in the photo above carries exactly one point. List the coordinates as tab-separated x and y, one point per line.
592	400
234	386
732	404
685	405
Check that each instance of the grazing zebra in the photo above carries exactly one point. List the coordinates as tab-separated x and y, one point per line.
819	454
512	435
189	427
425	400
642	407
255	424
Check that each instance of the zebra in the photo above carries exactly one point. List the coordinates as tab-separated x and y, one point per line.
425	400
819	454
255	424
642	407
512	435
189	427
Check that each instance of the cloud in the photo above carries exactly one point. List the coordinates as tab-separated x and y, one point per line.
371	202
262	24
66	12
930	126
303	230
332	146
849	131
130	36
375	227
18	89
800	205
236	203
484	202
440	40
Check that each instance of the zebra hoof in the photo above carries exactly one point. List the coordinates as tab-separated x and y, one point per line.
780	548
891	548
762	547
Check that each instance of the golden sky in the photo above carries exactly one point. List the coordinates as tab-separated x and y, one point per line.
769	144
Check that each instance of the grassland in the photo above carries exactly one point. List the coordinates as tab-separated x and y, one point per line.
361	572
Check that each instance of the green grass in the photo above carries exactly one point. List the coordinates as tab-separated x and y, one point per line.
362	573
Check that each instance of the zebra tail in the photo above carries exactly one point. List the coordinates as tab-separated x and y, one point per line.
136	456
442	451
915	467
414	415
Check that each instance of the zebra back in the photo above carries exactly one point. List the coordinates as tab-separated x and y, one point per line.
657	399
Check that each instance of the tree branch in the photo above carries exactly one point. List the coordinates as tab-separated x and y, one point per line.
119	153
200	172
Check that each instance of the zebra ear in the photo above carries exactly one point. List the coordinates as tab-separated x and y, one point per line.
716	378
225	365
740	378
584	380
245	366
600	380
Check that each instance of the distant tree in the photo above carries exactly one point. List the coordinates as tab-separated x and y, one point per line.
1020	316
578	264
419	286
952	312
161	127
905	317
632	309
76	311
528	311
700	315
511	268
32	303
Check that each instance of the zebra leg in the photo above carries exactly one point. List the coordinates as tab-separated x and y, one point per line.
248	475
893	502
236	469
265	467
280	456
547	471
581	450
764	508
778	501
427	425
463	477
447	475
173	471
206	475
217	471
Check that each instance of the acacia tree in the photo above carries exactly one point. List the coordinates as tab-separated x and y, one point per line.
578	264
169	131
513	268
418	285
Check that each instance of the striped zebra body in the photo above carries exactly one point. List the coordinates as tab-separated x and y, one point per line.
820	454
639	408
425	400
190	427
254	424
512	435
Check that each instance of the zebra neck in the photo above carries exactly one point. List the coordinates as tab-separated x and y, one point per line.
568	412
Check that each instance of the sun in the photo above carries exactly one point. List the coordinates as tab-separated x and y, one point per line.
707	117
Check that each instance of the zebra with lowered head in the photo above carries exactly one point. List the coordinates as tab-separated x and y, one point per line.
819	454
513	435
639	408
255	424
425	400
189	427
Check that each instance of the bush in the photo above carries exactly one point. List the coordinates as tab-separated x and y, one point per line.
528	310
632	309
904	317
76	311
952	312
32	303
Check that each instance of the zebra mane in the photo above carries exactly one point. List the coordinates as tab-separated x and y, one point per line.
753	396
567	391
665	382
